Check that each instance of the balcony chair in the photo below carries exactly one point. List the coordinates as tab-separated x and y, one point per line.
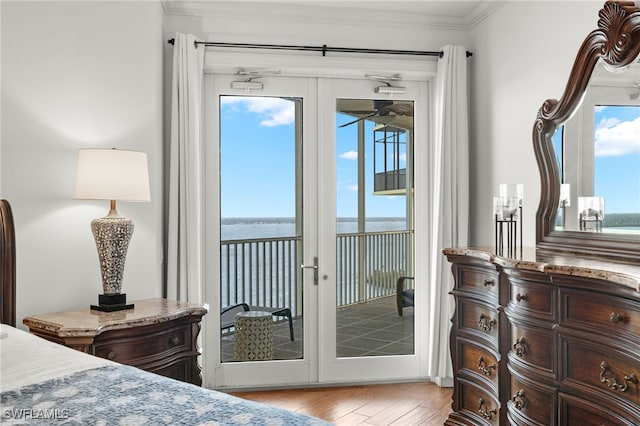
404	296
228	315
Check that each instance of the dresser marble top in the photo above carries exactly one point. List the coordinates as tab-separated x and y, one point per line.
87	322
627	274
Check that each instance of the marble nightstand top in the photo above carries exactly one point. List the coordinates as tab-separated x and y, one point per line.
87	322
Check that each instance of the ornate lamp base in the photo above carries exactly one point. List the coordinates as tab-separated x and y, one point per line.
112	303
112	234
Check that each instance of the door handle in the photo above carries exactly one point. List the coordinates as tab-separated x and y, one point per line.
315	269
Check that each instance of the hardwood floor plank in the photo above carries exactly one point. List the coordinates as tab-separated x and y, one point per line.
351	419
420	403
420	416
399	407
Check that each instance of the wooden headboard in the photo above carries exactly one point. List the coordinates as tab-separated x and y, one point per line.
7	264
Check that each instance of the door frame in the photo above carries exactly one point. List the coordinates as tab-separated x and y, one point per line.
418	69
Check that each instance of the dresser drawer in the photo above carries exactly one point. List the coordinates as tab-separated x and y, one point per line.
533	300
600	313
534	347
478	280
578	412
144	347
478	319
478	403
530	402
476	360
613	373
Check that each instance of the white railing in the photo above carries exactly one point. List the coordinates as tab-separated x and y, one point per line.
263	272
385	256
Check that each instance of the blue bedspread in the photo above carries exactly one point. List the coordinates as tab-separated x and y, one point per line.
123	395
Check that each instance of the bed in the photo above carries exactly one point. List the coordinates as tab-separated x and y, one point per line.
42	382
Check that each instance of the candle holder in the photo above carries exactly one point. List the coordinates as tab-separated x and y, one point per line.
591	212
507	213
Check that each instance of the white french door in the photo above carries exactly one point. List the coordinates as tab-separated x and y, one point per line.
302	190
262	214
366	231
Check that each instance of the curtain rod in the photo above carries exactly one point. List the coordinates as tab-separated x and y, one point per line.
324	48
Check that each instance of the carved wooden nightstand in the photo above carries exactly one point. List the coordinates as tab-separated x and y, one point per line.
158	335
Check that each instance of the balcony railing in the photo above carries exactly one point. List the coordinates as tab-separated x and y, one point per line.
264	271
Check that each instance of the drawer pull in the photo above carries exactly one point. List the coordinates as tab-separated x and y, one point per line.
520	297
612	383
484	368
488	282
616	318
518	399
484	411
174	340
519	346
111	355
485	323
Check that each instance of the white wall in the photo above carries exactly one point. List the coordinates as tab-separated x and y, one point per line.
77	75
523	53
89	74
300	24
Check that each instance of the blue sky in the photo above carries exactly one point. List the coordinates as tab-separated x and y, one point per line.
258	162
617	162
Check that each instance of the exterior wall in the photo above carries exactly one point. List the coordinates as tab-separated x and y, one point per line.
78	75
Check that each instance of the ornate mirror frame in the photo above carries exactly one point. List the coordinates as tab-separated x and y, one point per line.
617	42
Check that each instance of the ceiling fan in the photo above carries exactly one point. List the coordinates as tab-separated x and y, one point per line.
383	108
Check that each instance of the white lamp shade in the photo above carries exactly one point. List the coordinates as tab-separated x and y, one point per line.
112	174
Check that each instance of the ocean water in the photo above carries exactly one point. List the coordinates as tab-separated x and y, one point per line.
237	228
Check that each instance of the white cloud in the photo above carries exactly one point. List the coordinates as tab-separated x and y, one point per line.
349	155
608	122
273	111
613	138
353	187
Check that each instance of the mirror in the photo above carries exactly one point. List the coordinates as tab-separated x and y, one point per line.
587	152
598	154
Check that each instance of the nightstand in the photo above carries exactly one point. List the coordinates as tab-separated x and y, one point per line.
157	335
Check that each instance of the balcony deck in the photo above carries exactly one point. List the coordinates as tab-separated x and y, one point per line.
371	328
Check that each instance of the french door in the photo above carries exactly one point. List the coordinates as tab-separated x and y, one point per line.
310	219
366	232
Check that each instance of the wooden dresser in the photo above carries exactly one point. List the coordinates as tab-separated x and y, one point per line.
544	340
158	335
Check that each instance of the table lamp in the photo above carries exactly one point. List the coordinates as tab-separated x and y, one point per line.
114	175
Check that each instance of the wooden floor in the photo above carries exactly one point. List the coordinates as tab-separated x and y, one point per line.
403	404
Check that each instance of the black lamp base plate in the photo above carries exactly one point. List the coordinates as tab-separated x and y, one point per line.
112	303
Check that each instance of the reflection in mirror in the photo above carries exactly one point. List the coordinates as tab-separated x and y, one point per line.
598	155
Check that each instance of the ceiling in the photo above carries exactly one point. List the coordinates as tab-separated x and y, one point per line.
399	115
452	14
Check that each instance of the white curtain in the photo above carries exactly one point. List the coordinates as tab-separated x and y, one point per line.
184	267
450	192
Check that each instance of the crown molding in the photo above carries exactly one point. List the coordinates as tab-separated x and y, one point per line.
465	17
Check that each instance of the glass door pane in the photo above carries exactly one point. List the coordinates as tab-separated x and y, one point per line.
261	228
374	213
